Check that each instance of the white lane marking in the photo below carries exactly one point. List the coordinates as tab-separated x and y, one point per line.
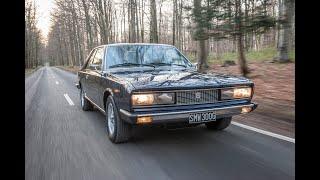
68	99
265	132
57	82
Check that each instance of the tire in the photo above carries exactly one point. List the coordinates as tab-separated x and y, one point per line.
118	130
85	103
219	124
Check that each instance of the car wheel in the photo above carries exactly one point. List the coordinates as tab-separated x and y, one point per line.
85	103
118	130
219	124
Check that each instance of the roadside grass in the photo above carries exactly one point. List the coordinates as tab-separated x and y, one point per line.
266	54
29	71
73	69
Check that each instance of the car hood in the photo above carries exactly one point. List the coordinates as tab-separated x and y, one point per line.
179	79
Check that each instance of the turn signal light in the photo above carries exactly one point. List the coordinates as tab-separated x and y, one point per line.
144	120
246	109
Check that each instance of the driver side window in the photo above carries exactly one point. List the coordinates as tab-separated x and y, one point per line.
87	66
96	62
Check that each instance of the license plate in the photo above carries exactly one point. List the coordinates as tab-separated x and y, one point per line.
202	117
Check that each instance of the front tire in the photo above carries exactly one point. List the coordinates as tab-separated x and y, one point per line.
85	103
118	130
219	124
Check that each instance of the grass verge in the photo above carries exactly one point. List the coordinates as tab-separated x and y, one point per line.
29	71
266	54
73	69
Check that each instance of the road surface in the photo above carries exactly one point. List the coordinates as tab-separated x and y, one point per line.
64	142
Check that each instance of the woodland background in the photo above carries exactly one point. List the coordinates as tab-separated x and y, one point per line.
207	31
254	38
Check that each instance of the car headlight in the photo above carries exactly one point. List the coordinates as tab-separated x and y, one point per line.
154	98
236	93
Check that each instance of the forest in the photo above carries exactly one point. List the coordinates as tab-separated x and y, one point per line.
207	31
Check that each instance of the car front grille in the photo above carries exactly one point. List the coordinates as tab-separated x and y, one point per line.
197	96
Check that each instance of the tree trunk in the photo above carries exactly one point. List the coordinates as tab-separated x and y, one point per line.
174	17
153	23
285	12
88	26
246	12
202	44
142	21
179	25
217	50
202	56
137	21
132	29
241	59
124	24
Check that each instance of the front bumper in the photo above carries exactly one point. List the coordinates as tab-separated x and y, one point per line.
183	115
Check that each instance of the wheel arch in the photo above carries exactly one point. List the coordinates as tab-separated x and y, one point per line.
80	84
107	92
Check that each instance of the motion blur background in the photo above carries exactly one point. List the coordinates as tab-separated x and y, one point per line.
254	38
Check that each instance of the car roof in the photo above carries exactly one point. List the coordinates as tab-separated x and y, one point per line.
145	44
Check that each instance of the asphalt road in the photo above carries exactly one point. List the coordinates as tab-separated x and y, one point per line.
64	142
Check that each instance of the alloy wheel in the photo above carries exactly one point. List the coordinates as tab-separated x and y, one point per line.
82	98
111	119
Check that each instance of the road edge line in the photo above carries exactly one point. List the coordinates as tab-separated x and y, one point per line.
264	132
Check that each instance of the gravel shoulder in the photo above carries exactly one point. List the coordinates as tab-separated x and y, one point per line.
274	92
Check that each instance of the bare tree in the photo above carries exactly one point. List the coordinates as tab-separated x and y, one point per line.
33	40
153	22
285	30
242	59
202	52
80	25
132	24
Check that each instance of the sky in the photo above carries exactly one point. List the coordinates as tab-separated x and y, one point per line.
44	8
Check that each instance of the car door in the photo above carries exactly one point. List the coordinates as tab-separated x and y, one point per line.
95	76
86	73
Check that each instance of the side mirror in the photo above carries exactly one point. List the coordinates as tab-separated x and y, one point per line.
95	66
195	65
103	73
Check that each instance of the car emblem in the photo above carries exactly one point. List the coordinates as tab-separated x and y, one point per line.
198	95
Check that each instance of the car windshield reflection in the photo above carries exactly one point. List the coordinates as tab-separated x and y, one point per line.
145	55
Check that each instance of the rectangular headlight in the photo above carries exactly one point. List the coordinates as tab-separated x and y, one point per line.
236	93
151	99
242	92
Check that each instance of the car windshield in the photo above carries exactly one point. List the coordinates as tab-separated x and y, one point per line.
145	55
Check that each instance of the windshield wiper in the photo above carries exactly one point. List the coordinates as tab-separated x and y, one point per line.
180	65
167	64
131	64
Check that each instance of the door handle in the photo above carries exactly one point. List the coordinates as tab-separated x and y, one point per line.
87	76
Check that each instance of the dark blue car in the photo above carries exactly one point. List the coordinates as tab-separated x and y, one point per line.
138	84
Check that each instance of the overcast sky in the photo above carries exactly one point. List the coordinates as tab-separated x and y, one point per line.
44	7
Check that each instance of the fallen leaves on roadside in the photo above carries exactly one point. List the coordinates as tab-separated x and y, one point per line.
274	87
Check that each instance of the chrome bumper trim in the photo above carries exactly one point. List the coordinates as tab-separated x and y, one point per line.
183	115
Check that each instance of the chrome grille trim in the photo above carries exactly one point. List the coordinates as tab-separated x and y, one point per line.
217	89
189	97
